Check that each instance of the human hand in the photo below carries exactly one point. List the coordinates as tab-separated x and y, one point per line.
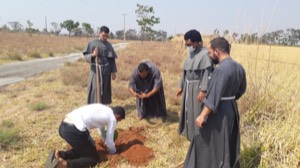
95	52
136	94
113	76
201	120
144	95
179	92
201	96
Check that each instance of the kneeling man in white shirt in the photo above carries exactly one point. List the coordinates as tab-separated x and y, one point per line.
75	130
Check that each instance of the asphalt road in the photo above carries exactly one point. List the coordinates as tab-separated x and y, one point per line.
18	71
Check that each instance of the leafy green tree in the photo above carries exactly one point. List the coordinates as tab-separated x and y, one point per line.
87	29
30	30
146	19
69	25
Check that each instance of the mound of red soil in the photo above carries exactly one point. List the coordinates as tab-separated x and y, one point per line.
130	147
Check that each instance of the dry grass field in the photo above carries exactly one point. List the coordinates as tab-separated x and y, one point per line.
32	110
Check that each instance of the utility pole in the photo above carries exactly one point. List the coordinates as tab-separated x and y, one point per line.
124	26
46	29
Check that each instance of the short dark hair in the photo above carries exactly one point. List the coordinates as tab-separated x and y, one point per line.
193	35
143	67
220	43
104	29
119	110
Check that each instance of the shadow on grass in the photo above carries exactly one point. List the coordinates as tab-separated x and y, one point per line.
173	116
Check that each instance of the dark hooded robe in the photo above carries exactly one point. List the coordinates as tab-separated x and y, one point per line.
107	65
197	69
217	145
154	106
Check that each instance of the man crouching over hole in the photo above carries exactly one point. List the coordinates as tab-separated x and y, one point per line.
75	128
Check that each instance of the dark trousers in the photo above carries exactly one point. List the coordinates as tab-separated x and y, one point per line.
83	153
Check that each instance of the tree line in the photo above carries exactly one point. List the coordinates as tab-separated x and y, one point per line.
288	37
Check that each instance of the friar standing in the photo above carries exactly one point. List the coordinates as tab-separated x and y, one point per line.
146	85
197	69
100	48
218	141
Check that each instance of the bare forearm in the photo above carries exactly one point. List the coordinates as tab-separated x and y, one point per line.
206	111
153	91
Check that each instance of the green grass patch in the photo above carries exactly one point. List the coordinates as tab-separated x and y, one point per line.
38	106
9	135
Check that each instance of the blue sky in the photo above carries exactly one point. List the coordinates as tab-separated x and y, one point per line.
176	16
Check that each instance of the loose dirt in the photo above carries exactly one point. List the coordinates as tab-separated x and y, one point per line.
130	147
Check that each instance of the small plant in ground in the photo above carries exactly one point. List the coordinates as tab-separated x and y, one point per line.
9	136
39	106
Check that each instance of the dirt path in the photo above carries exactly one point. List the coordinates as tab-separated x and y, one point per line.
18	71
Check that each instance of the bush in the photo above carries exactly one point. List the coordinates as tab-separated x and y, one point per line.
51	54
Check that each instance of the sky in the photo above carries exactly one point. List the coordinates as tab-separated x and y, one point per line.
176	16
